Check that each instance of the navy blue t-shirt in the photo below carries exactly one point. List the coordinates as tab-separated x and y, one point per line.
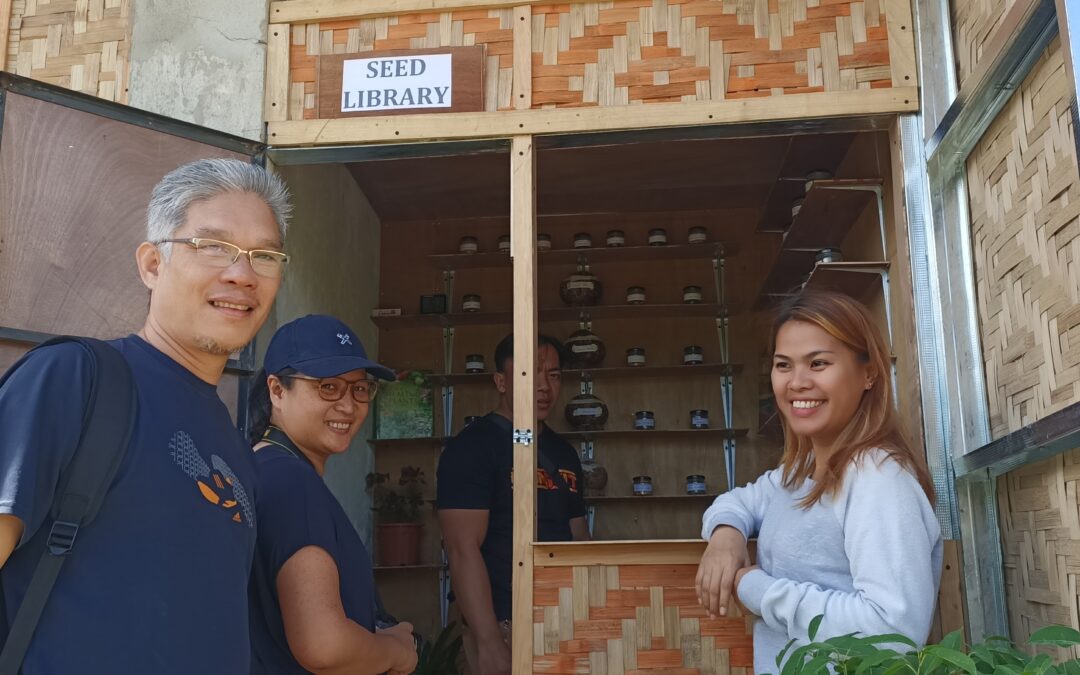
157	583
296	509
476	472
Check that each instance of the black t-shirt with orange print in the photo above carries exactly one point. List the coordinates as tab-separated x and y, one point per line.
476	472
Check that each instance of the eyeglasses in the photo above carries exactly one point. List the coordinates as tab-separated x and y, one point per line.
214	253
334	388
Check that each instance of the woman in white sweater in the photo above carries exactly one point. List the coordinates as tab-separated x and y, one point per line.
845	526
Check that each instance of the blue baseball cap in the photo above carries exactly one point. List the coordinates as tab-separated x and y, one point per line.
320	346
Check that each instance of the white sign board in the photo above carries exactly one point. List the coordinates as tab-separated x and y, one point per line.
396	83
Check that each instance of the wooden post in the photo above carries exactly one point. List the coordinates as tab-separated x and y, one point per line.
522	57
5	30
523	249
276	106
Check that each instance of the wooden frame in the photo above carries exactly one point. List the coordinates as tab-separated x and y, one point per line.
403	128
5	28
299	11
516	116
523	249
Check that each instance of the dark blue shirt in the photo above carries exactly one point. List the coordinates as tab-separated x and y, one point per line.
476	471
157	583
296	509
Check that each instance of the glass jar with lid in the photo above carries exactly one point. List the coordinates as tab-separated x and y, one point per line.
586	349
582	288
615	239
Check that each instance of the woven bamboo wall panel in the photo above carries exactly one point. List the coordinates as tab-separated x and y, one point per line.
76	44
974	23
492	28
632	619
1040	532
1025	203
646	51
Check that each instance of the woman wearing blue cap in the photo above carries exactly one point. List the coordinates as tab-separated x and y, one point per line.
312	588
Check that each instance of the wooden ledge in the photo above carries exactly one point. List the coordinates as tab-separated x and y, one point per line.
456	126
643	552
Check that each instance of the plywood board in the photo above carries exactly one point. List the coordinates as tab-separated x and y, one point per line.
73	191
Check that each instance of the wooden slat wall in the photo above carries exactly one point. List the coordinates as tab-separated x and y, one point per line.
77	44
622	52
1040	530
1025	202
974	23
635	51
616	619
490	27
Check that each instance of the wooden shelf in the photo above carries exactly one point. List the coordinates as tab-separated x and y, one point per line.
555	314
404	568
679	434
857	279
829	211
595	255
805	153
394	442
642	372
650	498
860	280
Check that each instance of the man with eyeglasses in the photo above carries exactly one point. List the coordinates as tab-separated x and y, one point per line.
157	582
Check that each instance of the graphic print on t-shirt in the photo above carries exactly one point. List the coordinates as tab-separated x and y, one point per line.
216	481
545	482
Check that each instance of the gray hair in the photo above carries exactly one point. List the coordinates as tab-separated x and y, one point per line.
205	179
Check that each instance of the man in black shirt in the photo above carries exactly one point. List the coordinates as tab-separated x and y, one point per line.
476	500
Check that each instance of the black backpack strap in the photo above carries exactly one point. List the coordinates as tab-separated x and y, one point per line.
107	427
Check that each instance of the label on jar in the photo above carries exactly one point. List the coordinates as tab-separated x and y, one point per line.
588	285
635	359
504	246
585	349
616	240
645	423
695	488
474	365
643	488
635	297
657	238
468	247
471	305
582	243
692	296
697	238
701	421
595	411
693	358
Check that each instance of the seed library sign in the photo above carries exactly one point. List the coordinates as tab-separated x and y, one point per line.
398	82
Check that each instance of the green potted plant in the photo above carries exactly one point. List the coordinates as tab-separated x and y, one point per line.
856	654
397	506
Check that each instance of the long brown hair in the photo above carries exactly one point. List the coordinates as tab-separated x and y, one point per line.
874	424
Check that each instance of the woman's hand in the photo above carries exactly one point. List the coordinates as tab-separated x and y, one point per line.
725	556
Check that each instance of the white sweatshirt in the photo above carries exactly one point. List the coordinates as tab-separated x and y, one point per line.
869	559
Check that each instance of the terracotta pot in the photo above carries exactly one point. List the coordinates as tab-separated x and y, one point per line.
398	544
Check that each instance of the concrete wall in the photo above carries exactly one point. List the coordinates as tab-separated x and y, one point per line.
334	244
202	61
